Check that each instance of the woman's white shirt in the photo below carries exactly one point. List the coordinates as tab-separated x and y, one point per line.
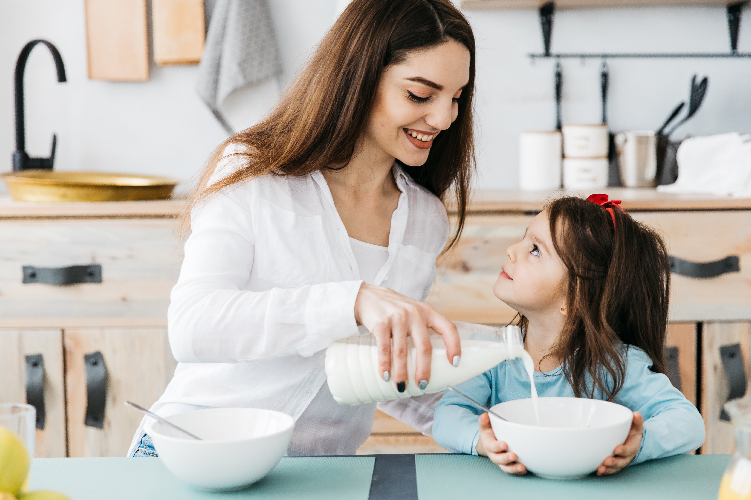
269	281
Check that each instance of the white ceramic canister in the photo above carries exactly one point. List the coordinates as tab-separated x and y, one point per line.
585	173
354	377
540	157
585	140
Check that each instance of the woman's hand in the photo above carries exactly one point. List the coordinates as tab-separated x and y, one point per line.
391	316
497	451
624	453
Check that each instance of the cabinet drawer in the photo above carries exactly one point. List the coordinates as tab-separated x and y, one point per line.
707	236
139	259
463	290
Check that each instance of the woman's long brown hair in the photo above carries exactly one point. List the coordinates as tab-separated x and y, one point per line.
617	293
321	116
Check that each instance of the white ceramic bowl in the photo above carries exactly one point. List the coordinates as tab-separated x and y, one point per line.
574	436
239	446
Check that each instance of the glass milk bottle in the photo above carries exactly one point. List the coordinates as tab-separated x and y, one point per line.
736	482
354	377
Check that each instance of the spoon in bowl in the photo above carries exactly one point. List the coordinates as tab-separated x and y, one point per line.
477	404
154	415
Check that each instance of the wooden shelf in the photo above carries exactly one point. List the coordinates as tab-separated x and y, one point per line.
588	4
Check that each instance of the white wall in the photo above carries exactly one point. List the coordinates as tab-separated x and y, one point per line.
161	127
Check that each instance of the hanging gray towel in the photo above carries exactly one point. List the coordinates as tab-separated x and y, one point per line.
240	50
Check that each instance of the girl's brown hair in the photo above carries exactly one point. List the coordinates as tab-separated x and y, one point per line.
321	116
617	291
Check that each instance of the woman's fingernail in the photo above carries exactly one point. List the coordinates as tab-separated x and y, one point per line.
386	376
400	386
423	384
456	360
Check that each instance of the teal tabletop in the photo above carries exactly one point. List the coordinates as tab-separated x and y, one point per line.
439	476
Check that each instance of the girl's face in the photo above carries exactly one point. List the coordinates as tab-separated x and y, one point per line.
533	279
415	101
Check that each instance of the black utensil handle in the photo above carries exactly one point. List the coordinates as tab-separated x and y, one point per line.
604	81
558	89
730	264
96	389
735	371
63	276
35	387
672	366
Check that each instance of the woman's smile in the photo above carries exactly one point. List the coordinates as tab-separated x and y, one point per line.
420	139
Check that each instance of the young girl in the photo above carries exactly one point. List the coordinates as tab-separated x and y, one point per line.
591	286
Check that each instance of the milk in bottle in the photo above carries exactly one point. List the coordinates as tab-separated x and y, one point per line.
354	377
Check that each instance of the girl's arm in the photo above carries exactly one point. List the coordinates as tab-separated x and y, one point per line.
212	318
672	425
455	423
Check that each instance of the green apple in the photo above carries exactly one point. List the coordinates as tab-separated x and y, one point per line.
14	462
43	495
6	496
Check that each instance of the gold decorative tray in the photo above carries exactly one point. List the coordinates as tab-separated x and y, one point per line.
53	186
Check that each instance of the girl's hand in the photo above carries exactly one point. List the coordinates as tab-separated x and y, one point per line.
497	451
624	453
391	316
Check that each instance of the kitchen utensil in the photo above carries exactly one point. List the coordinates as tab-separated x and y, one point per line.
573	438
154	415
614	178
475	402
540	160
239	447
51	186
585	173
558	80
178	31
588	140
696	97
116	40
671	117
637	157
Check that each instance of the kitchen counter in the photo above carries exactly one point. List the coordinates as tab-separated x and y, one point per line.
483	201
440	476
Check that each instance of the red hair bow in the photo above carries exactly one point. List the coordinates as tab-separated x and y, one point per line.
602	200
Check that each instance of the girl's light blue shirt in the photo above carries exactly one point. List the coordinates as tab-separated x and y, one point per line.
672	425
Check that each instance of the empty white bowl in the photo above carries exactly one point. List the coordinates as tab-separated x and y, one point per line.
574	436
239	446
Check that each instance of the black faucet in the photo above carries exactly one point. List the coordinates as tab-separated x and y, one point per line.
21	160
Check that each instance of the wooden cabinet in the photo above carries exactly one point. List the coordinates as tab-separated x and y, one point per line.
15	345
123	317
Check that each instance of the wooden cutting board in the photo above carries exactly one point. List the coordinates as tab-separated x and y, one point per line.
117	40
179	31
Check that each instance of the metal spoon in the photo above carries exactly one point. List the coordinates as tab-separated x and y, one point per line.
476	403
154	415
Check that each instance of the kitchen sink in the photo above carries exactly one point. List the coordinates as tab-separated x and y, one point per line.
39	185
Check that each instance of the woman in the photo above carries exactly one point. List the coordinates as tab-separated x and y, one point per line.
324	217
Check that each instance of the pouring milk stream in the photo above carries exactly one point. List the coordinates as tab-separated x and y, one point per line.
354	377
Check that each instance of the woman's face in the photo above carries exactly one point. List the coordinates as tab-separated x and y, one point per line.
415	101
533	278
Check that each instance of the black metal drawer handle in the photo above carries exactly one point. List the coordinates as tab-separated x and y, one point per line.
96	389
730	264
735	371
35	386
672	367
63	276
